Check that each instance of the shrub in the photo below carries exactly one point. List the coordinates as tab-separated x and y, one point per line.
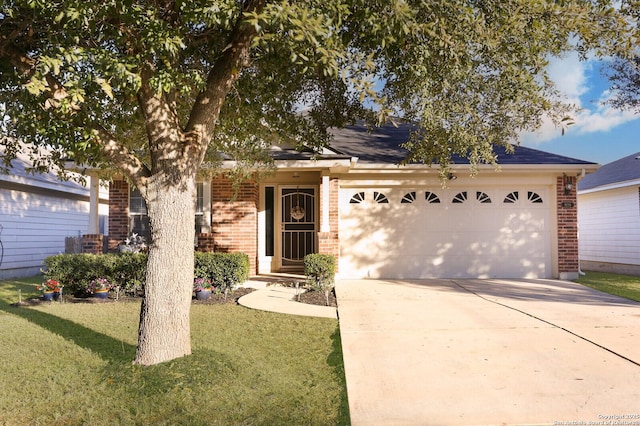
77	271
225	270
320	270
127	270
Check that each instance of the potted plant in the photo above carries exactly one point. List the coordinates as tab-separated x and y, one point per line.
202	288
50	289
99	287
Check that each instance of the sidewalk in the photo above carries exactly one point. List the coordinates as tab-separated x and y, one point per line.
273	295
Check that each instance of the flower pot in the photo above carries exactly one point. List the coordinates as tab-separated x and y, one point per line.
56	295
47	296
101	294
203	294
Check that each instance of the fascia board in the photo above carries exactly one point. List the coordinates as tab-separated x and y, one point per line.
616	185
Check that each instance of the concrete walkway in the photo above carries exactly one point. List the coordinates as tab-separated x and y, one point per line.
276	293
477	352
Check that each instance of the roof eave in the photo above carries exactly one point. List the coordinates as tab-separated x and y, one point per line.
607	187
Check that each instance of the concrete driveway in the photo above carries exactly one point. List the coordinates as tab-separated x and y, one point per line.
488	352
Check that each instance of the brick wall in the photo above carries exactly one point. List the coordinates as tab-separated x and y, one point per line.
92	243
568	263
118	213
329	242
235	218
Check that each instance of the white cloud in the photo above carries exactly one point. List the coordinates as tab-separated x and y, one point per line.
571	77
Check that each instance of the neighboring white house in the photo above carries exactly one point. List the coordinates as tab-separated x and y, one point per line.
609	217
37	213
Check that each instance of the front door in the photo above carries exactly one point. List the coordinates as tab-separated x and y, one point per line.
298	226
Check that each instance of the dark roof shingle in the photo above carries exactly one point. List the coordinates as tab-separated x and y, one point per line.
383	146
622	170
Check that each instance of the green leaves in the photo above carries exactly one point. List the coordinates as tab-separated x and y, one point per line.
470	74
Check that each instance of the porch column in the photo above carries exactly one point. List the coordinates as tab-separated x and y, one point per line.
94	196
324	216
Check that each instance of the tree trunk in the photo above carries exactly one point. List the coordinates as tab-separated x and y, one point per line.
164	331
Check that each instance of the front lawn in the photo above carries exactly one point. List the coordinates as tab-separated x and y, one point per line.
70	363
620	285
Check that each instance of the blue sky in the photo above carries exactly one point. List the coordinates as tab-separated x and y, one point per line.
600	134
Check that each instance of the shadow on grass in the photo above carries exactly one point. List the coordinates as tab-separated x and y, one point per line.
336	362
106	347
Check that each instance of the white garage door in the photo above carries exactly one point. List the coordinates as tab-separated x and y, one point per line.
452	233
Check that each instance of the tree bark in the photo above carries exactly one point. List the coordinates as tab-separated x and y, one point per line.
164	332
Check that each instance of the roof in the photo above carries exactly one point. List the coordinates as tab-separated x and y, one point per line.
622	170
382	145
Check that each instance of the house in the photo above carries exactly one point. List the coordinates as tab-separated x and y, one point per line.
609	217
381	220
39	212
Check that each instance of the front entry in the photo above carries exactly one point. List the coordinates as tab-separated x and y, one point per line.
298	226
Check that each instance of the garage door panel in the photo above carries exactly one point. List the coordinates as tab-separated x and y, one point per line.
423	240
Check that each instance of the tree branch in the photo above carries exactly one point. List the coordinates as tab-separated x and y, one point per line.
121	156
224	73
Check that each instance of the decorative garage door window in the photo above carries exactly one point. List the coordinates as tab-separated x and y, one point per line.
511	197
431	197
357	198
460	198
482	197
409	198
534	198
380	198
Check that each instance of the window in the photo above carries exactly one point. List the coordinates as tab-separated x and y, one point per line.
409	198
269	210
460	198
511	197
138	216
357	198
431	197
483	197
380	198
200	222
534	198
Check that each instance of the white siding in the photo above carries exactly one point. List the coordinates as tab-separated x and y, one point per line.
35	226
37	212
609	226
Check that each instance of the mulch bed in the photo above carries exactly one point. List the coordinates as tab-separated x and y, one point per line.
310	297
219	299
318	298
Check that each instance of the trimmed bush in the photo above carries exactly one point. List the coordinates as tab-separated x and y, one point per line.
320	270
127	270
76	271
225	270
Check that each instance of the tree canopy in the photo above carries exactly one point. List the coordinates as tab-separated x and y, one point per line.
153	87
471	74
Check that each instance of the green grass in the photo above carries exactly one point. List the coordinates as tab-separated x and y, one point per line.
626	286
70	364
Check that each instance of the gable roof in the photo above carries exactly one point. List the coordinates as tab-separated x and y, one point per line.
383	146
623	170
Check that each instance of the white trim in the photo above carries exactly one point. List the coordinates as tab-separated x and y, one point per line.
324	217
615	185
206	206
94	204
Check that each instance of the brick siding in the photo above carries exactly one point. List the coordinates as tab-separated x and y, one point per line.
329	242
118	213
235	218
567	226
92	243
